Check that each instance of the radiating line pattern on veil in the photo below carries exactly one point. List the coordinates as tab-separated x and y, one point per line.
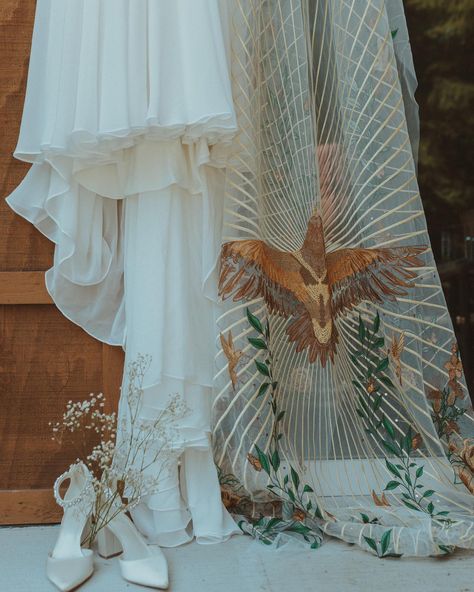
357	424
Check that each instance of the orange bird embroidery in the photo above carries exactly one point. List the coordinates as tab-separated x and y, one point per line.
233	356
395	350
312	286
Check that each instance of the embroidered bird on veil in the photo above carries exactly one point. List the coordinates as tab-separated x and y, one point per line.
233	356
312	286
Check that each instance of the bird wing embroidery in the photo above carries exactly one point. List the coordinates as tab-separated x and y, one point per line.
395	350
370	274
397	345
233	357
252	269
227	346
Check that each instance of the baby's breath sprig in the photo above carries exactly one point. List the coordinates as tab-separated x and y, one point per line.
126	468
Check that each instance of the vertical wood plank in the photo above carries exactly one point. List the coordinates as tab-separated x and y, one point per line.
22	247
112	368
44	359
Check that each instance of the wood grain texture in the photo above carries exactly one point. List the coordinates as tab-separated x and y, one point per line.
45	360
36	506
112	368
22	247
23	287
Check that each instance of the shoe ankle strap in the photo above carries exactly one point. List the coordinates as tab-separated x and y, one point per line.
87	491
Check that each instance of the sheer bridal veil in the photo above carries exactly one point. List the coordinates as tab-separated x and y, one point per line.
340	405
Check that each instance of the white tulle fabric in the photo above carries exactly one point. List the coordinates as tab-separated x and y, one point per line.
127	120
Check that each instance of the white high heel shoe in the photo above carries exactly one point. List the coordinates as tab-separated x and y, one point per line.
140	564
69	565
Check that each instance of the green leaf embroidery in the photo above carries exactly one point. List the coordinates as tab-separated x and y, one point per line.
377	403
254	321
411	505
272	522
275	460
371	542
386	381
391	447
295	477
406	443
392	485
318	513
257	342
299	527
393	469
382	365
376	325
262	457
385	541
389	427
262	368
378	343
447	548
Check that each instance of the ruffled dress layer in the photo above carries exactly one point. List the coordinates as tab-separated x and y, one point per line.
127	121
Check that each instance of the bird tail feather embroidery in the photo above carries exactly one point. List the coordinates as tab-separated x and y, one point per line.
301	331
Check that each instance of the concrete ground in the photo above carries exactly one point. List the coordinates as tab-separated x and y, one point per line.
245	566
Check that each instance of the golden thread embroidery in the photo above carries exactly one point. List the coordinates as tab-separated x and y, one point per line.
313	286
395	351
381	501
233	356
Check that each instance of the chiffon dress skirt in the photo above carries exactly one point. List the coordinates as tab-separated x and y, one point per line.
127	121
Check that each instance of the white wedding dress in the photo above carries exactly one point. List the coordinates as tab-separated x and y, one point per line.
127	122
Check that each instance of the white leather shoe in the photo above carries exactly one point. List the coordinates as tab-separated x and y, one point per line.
69	565
140	563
